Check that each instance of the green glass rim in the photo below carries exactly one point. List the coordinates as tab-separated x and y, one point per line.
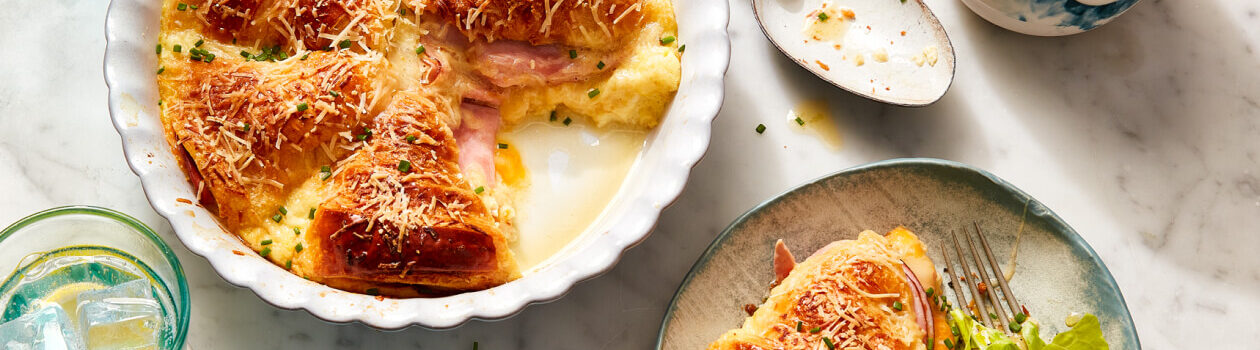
182	303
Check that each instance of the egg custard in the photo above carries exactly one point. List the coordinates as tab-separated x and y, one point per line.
867	293
359	143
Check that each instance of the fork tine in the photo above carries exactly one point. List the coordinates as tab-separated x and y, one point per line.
954	284
984	276
1014	305
975	293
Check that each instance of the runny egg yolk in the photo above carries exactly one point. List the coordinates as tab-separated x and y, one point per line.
507	162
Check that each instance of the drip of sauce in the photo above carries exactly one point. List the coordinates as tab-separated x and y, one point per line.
827	24
815	118
575	171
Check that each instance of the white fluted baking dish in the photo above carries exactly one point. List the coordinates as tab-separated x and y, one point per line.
653	182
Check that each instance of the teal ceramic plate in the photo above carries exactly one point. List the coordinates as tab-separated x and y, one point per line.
1057	273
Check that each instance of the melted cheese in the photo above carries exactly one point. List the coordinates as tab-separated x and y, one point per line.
636	94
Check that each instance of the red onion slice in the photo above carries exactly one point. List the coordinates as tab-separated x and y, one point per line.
923	312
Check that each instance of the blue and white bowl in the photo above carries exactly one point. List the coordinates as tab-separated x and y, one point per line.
1049	17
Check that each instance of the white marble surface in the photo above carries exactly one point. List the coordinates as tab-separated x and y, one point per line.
1144	135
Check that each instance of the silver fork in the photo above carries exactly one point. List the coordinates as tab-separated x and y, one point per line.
990	311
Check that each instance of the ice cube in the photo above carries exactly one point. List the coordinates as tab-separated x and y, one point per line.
48	328
125	316
137	288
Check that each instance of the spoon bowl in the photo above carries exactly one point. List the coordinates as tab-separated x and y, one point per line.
891	51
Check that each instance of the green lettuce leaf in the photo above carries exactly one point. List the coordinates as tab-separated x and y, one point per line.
1085	335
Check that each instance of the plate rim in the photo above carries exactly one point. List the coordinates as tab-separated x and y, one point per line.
1052	218
129	53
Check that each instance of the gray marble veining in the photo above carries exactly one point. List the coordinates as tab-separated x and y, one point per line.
1141	134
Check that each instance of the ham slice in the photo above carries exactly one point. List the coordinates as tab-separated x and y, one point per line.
514	63
476	139
783	261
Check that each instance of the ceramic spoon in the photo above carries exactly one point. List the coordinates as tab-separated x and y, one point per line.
885	50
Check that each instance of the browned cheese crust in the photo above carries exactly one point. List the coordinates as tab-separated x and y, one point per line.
597	24
309	24
238	128
845	294
402	213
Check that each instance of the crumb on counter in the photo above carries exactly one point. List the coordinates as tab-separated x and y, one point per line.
859	60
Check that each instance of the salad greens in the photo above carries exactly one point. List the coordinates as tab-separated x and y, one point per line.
970	334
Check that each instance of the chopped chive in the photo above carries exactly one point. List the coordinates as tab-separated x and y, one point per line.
182	6
479	189
159	49
301	107
1020	317
284	211
799	121
404	166
288	265
503	146
567	120
334	94
949	344
930	291
411	138
305	56
345	44
245	54
199	42
1015	327
798	326
277	217
992	315
245	126
572	54
161	69
815	330
298	248
266	251
420	50
897	305
372	291
930	344
830	345
311	215
324	174
600	65
266	242
761	128
822	16
360	137
667	40
682	48
177	48
553	116
193	7
297	231
592	93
